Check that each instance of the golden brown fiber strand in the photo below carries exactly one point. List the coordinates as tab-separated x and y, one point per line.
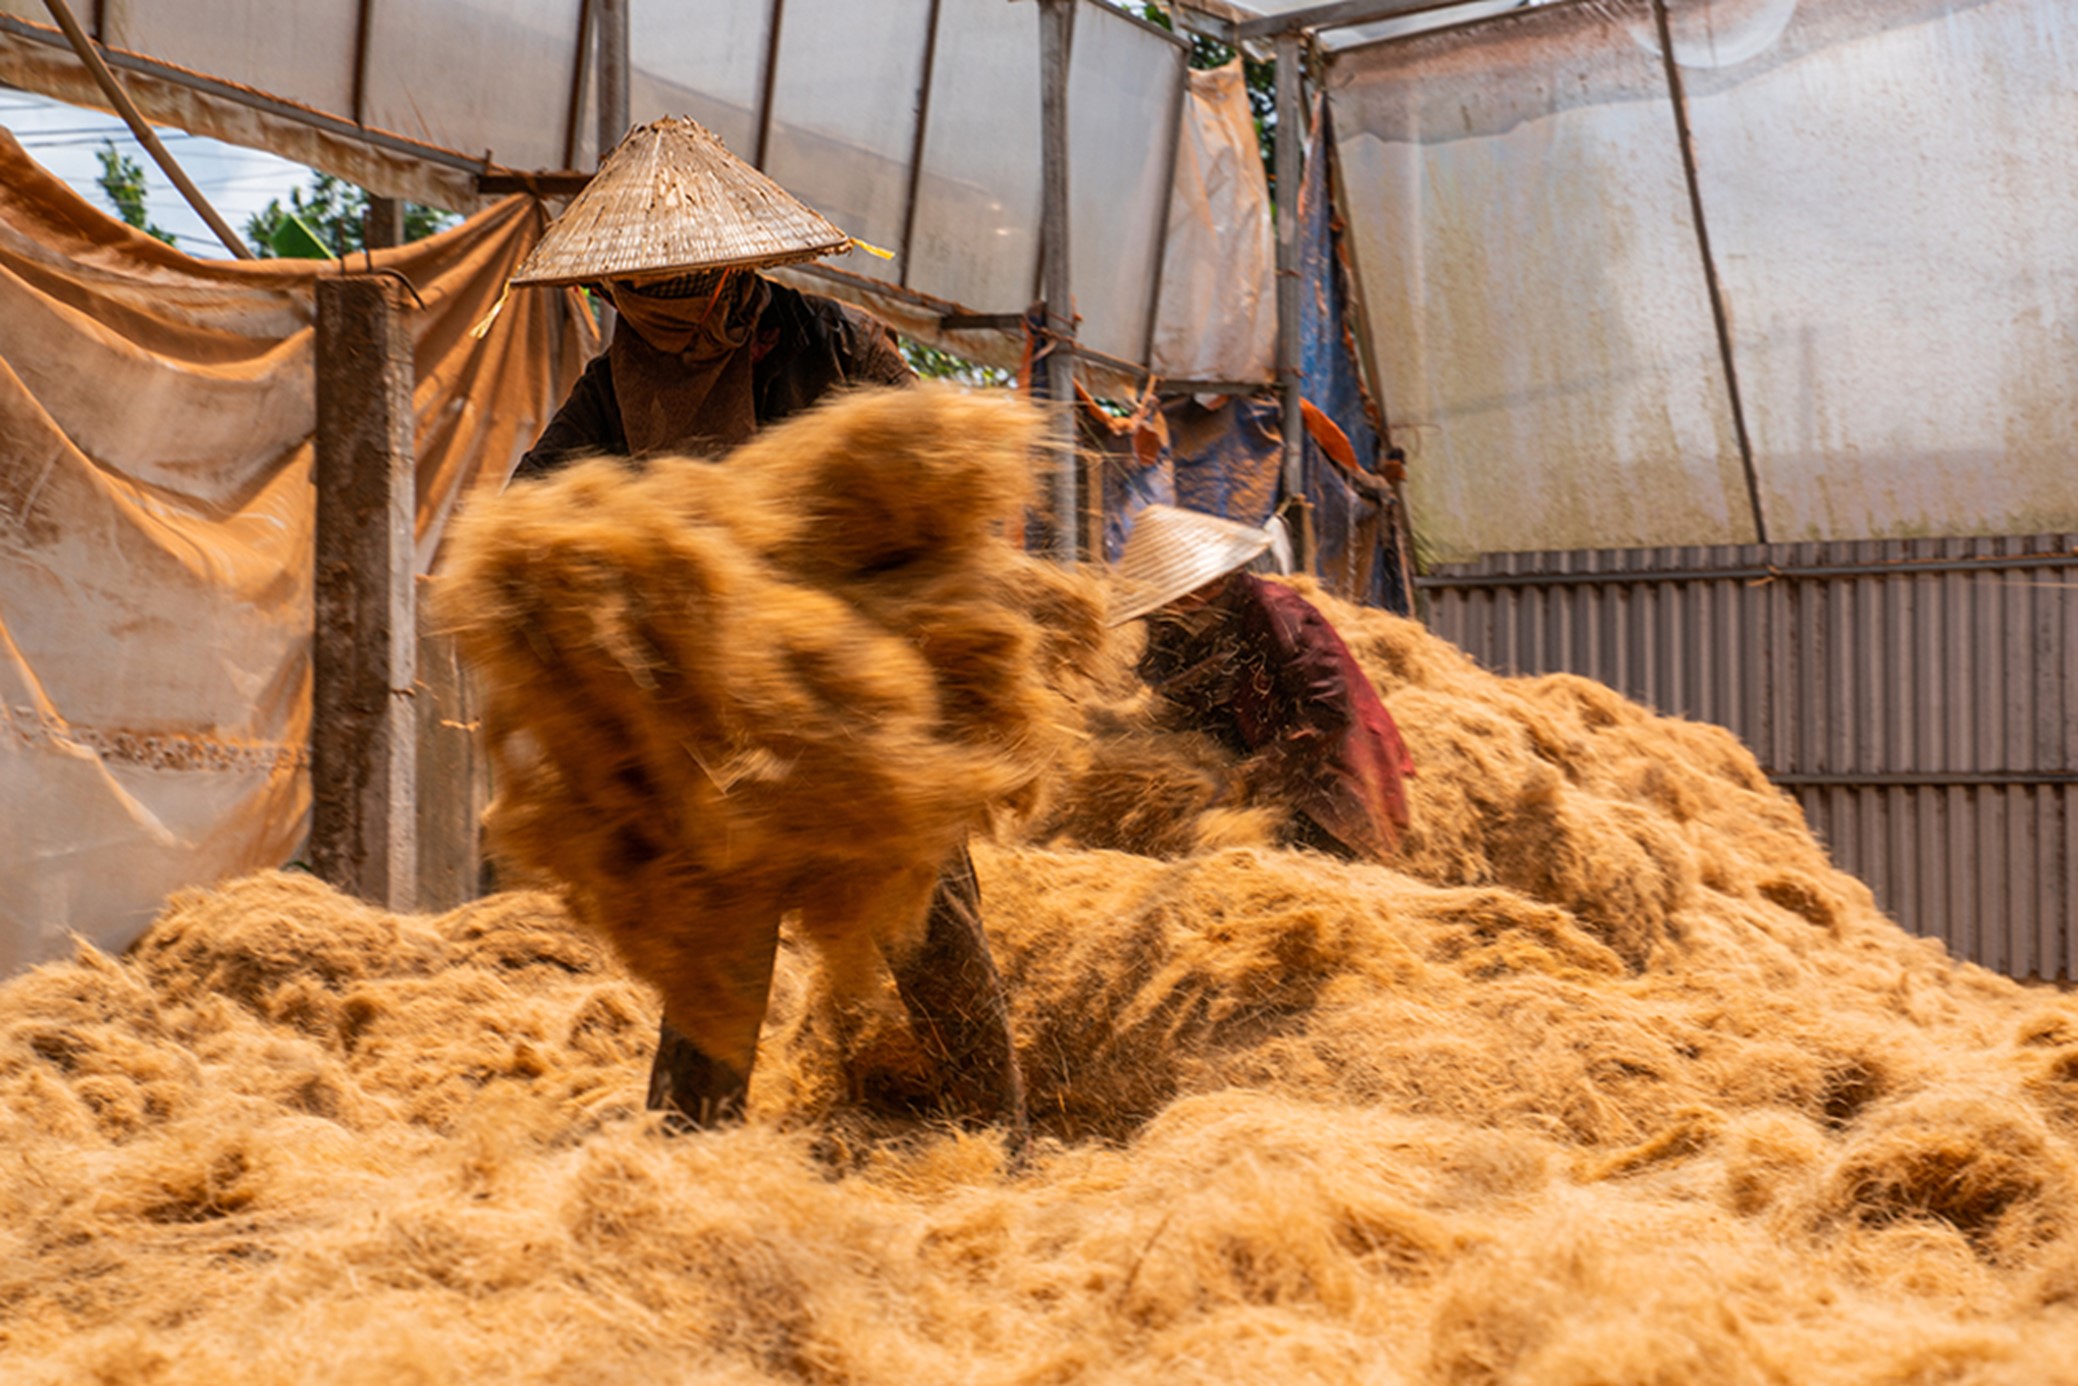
1616	1079
796	679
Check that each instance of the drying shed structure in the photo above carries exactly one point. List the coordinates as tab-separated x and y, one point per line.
1729	345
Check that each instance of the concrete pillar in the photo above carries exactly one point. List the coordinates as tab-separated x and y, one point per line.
363	737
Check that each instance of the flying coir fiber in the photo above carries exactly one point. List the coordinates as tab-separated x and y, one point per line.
795	679
1612	1079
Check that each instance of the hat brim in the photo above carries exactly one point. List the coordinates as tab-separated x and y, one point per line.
551	281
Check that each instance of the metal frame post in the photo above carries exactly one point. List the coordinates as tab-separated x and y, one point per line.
364	657
612	53
1056	37
1291	136
119	98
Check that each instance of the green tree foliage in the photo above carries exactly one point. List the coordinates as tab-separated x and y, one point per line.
337	211
122	183
934	363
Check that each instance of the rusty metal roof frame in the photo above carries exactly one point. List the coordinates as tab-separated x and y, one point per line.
1240	25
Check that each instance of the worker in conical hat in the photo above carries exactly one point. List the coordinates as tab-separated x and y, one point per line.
673	230
1257	667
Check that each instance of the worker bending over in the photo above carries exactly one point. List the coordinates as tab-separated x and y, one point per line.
1256	666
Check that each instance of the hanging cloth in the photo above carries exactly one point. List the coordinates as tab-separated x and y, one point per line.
682	367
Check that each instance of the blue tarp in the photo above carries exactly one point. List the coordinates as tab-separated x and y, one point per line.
1356	529
1225	457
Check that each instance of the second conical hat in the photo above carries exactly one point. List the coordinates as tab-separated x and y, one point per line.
672	199
1171	552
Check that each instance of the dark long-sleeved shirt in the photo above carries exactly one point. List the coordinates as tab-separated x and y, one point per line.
804	347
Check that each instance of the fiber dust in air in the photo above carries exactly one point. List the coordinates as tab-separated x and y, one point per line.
1611	1079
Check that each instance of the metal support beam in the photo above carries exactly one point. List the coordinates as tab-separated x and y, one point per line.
612	18
1190	19
580	64
364	735
363	27
916	143
1339	15
1291	139
767	83
1719	315
1172	144
554	182
141	128
1056	38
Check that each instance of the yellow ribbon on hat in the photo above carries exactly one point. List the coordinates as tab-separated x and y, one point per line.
483	325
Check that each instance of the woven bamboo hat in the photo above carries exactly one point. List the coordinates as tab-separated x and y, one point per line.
671	199
1171	552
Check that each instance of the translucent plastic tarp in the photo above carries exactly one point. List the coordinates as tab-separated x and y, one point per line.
1124	89
705	61
1521	230
157	532
1892	195
267	43
474	75
1217	315
842	140
493	80
1402	25
976	239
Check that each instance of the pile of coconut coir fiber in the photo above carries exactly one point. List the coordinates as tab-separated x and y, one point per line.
1612	1079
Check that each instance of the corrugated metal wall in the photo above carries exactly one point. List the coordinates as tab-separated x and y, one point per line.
1919	697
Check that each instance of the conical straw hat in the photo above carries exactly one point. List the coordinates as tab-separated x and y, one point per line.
1171	552
671	199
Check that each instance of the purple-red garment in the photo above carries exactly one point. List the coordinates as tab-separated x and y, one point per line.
1261	669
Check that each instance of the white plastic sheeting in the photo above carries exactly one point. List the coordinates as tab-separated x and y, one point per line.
1892	193
1218	318
851	140
978	204
1888	188
1522	236
710	71
1125	88
834	97
475	75
267	43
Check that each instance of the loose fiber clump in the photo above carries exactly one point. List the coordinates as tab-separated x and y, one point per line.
796	679
1611	1077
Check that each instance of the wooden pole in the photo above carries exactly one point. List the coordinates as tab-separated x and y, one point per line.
384	227
612	50
119	98
1291	137
1056	34
453	789
363	737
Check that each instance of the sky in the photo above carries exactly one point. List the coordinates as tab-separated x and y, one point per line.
238	182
